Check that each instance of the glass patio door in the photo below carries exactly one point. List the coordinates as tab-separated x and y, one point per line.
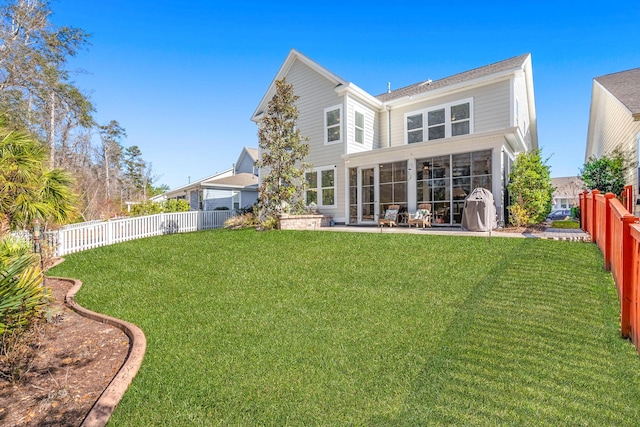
368	203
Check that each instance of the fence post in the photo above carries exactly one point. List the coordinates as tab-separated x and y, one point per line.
60	247
593	222
627	271
627	197
110	233
608	247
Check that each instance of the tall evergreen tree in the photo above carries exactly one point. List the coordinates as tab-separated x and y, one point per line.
283	153
111	135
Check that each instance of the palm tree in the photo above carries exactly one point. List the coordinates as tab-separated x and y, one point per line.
27	187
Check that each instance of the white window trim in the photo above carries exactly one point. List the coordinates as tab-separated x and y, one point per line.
318	188
447	122
326	136
363	128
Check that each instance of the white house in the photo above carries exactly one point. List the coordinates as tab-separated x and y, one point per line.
431	142
614	119
231	189
567	191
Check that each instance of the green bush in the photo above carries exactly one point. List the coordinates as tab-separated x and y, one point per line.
530	189
22	294
151	208
607	173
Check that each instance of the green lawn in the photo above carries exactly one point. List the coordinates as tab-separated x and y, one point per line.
570	224
365	329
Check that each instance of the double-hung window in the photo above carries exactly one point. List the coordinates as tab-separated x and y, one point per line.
359	127
321	187
333	124
439	122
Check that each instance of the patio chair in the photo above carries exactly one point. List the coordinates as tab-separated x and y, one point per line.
390	216
422	216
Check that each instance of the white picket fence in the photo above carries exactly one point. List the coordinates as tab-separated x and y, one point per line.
80	237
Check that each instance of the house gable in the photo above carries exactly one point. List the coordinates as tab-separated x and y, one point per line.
367	161
292	58
246	161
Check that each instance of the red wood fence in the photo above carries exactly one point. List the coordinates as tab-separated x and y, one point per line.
617	233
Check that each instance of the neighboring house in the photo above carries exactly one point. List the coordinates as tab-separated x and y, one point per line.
614	119
231	189
431	142
567	192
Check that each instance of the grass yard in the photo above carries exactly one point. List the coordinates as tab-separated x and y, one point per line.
368	329
566	224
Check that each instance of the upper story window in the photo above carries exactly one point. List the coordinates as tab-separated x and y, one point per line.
359	127
443	121
414	128
333	124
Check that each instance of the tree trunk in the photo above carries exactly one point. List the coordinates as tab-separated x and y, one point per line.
52	131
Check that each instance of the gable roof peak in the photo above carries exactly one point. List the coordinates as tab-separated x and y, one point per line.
291	58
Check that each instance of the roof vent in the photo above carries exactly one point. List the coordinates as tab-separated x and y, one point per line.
388	87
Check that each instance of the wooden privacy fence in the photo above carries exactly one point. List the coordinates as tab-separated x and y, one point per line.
80	237
617	233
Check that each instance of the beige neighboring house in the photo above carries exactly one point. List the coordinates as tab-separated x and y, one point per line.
614	119
232	189
430	142
567	191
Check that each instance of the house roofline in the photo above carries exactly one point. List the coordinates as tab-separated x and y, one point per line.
284	69
361	94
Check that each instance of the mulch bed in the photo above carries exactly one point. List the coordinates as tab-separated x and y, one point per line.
66	365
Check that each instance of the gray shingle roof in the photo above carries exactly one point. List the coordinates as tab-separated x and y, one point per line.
625	86
426	86
240	180
253	152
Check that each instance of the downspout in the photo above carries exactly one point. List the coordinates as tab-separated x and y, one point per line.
388	126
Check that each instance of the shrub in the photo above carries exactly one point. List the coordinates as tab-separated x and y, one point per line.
247	220
606	174
530	189
151	208
22	294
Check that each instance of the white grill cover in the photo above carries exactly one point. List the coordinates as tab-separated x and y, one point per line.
479	211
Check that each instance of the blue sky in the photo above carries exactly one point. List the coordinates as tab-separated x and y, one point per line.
183	78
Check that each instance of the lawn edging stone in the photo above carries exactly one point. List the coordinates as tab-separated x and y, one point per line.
101	411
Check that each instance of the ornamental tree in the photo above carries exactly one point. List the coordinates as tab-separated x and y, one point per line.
282	162
607	173
530	189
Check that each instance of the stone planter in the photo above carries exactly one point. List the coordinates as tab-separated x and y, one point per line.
303	222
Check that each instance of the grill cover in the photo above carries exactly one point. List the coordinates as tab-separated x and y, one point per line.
479	211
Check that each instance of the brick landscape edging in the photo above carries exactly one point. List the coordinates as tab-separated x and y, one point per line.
99	414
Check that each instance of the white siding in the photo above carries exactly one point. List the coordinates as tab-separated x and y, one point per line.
611	125
371	127
521	108
246	165
248	198
317	93
217	199
491	110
